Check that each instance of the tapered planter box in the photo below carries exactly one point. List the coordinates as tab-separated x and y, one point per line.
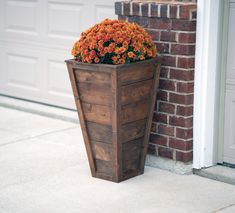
115	105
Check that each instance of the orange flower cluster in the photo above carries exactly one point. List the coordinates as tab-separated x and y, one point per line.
114	42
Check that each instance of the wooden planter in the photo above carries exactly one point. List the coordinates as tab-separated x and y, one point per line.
115	105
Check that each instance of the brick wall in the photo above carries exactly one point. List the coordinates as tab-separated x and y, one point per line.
172	26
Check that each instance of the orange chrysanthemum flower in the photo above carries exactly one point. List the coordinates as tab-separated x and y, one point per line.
114	42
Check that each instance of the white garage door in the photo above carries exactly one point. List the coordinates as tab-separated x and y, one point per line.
229	128
35	38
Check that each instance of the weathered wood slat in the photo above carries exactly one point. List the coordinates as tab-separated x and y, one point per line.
136	92
115	114
131	155
104	166
135	111
99	132
97	113
95	93
102	151
138	72
86	76
133	130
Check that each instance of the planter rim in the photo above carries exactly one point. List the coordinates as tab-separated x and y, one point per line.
113	66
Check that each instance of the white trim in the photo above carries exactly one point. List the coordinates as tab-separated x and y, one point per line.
206	87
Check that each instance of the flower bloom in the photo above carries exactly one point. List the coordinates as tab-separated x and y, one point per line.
114	42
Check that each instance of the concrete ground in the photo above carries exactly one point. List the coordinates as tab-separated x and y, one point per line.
43	168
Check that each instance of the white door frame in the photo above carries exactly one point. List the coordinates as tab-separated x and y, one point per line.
210	15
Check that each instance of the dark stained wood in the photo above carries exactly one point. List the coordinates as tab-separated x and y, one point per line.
135	111
102	151
97	113
132	155
138	72
136	92
95	93
104	166
133	130
82	120
85	76
99	132
115	105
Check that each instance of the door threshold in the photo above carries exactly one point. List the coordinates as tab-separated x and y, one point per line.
219	172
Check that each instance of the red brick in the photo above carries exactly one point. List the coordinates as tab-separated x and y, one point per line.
187	38
185	87
160	118
154	10
163	11
184	156
158	139
168	36
181	99
126	8
135	9
185	63
145	9
184	133
182	49
180	144
186	11
165	130
162	47
183	25
165	152
151	149
155	35
167	108
162	95
167	84
181	74
164	73
160	23
184	110
181	121
169	61
173	11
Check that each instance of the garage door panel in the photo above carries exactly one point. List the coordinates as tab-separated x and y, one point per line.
65	20
21	18
36	37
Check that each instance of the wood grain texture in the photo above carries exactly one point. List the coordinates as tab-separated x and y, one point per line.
97	113
136	92
102	151
99	132
115	105
95	93
135	111
133	130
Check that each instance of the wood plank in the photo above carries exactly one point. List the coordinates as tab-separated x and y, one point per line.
97	113
135	111
104	166
138	72
133	130
132	155
81	118
102	151
95	93
99	132
92	77
136	92
150	113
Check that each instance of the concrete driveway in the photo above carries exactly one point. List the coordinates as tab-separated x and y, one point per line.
43	168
